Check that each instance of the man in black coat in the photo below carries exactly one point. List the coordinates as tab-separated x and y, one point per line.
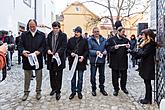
56	45
32	42
77	45
117	47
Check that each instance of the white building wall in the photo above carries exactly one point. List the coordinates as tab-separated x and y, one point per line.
14	11
152	23
45	8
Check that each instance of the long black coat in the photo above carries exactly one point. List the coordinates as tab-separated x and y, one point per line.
32	44
61	47
117	57
80	47
147	63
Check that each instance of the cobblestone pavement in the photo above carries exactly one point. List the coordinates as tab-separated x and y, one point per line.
11	92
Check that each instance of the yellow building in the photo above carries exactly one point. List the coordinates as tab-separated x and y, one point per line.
74	15
77	14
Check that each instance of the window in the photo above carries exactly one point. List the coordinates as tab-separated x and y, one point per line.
27	2
77	9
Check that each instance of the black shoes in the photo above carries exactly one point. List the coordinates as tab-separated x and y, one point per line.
125	91
104	92
94	93
72	95
52	92
145	101
80	95
115	93
58	96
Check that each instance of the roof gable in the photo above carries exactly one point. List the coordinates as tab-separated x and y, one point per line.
78	8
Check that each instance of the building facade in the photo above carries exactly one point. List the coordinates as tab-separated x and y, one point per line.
16	13
77	14
152	23
74	15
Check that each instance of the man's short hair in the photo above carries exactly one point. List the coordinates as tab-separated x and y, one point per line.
56	24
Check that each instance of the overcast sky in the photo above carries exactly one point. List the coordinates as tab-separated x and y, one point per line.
98	10
62	4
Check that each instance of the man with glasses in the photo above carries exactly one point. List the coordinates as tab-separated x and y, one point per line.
117	47
56	54
97	55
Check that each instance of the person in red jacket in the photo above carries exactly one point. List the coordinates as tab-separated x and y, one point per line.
3	50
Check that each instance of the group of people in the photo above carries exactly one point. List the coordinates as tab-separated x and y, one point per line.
78	50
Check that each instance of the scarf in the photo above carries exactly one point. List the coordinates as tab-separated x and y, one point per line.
54	42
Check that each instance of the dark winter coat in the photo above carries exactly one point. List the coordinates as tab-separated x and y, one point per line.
61	46
32	44
80	47
133	44
94	46
147	62
118	57
17	41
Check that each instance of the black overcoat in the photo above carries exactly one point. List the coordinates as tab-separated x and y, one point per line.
61	46
32	44
80	47
117	57
147	61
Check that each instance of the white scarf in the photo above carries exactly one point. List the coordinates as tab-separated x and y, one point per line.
33	60
74	65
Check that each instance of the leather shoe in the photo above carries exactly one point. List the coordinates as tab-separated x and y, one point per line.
145	101
125	91
52	92
94	93
115	93
38	96
25	96
72	95
58	96
104	92
80	95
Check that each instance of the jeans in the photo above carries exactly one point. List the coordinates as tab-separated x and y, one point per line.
93	69
77	88
8	59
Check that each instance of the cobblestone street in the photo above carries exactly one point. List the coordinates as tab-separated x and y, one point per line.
11	92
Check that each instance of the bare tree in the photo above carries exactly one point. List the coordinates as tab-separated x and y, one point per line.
122	8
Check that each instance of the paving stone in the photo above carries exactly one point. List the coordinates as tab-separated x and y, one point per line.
12	92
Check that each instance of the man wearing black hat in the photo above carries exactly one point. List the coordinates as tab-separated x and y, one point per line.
77	47
56	54
117	47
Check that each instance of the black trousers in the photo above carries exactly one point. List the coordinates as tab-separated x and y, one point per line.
116	74
56	80
148	87
19	56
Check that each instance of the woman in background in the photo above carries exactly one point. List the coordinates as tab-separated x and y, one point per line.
146	53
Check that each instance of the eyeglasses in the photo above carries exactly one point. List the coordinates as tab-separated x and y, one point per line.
55	28
95	31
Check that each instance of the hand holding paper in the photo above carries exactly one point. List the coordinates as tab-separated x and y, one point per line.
56	56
